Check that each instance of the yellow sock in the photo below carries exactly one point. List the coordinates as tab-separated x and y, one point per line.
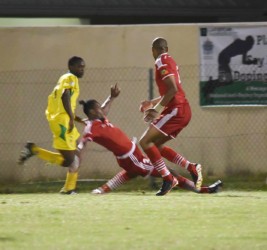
71	180
54	158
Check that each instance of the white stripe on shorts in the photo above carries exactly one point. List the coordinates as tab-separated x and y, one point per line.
166	118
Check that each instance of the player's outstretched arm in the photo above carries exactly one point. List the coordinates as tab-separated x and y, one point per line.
114	92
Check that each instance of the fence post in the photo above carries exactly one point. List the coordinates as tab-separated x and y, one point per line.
150	84
152	179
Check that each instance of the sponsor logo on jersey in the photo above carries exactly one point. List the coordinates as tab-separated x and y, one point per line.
164	72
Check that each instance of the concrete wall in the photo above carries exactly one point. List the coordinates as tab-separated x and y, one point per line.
101	46
212	138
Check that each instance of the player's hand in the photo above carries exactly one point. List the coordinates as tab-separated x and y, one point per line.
150	115
71	125
145	105
114	91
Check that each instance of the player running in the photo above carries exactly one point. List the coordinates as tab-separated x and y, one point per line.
168	114
129	156
60	114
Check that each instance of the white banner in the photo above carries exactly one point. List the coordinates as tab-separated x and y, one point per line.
233	65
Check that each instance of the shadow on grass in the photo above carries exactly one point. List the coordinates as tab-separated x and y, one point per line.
6	239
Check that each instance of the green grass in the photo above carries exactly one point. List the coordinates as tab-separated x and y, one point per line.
239	182
134	220
35	216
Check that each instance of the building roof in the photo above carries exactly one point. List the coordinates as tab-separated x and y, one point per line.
123	11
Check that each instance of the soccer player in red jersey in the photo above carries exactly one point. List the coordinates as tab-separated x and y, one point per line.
129	156
167	114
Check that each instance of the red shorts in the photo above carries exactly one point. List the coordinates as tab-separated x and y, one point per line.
136	163
173	120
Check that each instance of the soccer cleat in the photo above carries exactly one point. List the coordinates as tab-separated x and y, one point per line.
102	190
167	186
68	192
215	187
196	174
26	153
98	191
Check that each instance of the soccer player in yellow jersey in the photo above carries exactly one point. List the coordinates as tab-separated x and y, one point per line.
60	114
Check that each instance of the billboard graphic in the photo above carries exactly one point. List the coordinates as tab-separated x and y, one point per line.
233	66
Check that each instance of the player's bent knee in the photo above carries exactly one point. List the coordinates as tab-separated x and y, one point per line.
67	163
75	164
143	143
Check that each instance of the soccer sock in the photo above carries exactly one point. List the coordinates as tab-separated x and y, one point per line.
185	183
116	181
71	180
189	185
204	190
158	163
54	158
172	156
105	188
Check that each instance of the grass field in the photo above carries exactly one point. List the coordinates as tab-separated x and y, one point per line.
134	220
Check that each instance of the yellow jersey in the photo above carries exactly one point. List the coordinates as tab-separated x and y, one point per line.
55	105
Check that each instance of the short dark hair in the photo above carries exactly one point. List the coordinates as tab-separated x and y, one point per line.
160	43
88	105
74	60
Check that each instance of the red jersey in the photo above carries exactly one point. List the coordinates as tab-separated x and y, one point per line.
108	136
165	66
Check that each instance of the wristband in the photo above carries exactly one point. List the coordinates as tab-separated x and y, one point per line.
158	107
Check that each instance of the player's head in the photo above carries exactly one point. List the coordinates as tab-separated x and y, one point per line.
76	66
250	41
92	109
159	46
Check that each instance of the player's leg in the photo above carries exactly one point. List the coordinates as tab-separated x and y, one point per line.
72	162
135	164
31	149
213	188
195	169
114	183
185	183
172	127
66	158
61	141
189	185
174	157
66	144
153	153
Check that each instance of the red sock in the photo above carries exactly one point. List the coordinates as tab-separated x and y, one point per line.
105	188
185	183
172	156
158	163
204	190
189	185
116	181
